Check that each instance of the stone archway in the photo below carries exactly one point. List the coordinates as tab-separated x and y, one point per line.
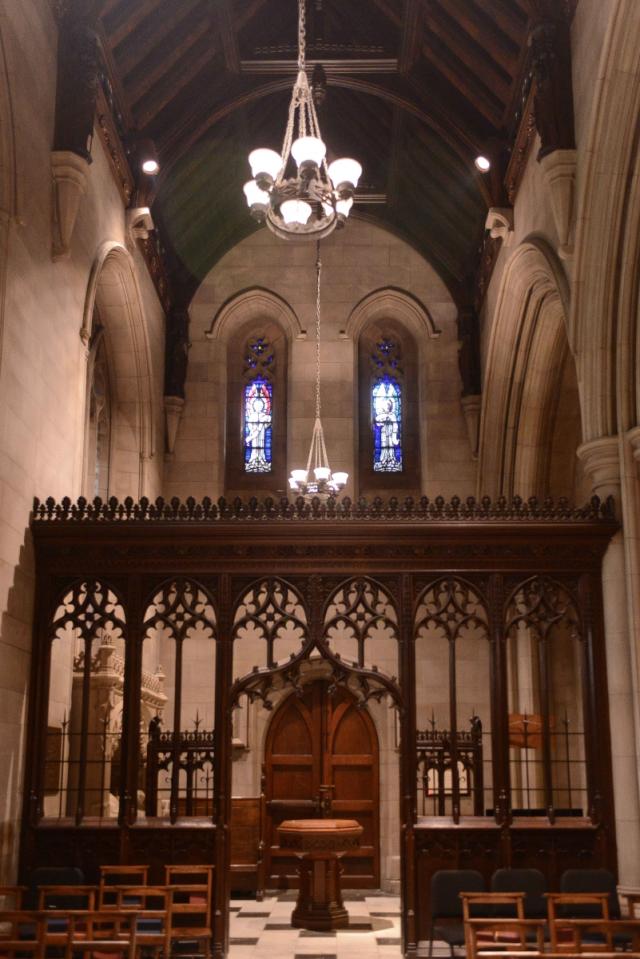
531	404
113	309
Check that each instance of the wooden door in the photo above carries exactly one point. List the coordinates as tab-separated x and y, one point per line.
322	739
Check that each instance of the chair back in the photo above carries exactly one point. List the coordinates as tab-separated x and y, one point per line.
591	880
446	886
67	897
51	876
529	881
124	875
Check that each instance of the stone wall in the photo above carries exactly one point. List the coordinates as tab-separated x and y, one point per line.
357	262
43	359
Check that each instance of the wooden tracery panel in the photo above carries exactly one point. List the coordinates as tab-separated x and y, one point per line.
87	638
180	623
451	628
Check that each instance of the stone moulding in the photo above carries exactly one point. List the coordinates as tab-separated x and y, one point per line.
70	174
408	510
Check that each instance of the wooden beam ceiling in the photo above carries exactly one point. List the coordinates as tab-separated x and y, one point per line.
415	88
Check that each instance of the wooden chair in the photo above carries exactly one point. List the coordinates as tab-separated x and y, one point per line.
111	876
11	897
567	908
21	934
502	938
499	922
68	897
102	932
191	903
152	904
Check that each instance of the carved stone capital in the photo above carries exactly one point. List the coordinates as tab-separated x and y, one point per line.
173	407
499	223
601	461
471	406
70	174
139	223
633	436
559	172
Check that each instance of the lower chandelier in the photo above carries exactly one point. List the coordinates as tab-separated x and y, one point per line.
317	479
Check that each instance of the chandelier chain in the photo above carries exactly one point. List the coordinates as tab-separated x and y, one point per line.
318	275
302	34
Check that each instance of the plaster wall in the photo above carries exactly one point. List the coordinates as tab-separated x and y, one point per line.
42	372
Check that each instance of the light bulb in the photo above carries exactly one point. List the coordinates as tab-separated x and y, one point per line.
293	484
295	211
345	171
265	162
482	163
255	196
308	150
150	167
299	476
344	206
340	479
322	473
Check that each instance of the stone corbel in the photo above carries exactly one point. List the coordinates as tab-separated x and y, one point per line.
499	223
559	172
173	407
70	174
601	461
471	406
139	223
633	436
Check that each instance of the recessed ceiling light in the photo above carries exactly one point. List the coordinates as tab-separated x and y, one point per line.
482	163
150	166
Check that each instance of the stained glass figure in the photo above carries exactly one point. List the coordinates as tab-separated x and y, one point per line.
258	399
386	409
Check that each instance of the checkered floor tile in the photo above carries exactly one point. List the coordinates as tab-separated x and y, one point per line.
262	930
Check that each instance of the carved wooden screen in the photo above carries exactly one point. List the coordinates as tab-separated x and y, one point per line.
86	678
454	599
546	661
453	690
177	740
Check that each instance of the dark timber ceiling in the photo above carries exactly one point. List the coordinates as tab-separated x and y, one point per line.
415	89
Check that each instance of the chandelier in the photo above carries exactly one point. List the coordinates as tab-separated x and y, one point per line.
317	479
319	198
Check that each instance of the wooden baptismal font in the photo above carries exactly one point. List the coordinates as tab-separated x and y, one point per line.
319	844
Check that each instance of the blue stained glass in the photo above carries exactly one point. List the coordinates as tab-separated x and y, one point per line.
258	400
386	415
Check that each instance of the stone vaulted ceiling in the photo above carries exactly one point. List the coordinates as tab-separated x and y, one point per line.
415	90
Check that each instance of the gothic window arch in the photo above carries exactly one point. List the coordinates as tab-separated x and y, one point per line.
389	448
256	410
99	418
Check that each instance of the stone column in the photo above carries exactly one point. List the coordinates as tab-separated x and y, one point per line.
601	461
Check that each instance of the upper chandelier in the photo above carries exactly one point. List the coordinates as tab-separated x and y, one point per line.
313	203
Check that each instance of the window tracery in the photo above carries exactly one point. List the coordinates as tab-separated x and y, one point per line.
256	410
389	435
258	406
386	408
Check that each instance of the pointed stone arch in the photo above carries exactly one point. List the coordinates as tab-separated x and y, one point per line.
528	360
255	302
8	167
603	319
113	302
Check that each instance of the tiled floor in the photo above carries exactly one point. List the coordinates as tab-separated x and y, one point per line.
262	929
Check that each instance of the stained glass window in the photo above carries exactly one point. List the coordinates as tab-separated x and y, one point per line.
386	415
258	401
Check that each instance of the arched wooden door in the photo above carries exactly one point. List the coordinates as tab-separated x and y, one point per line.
314	740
